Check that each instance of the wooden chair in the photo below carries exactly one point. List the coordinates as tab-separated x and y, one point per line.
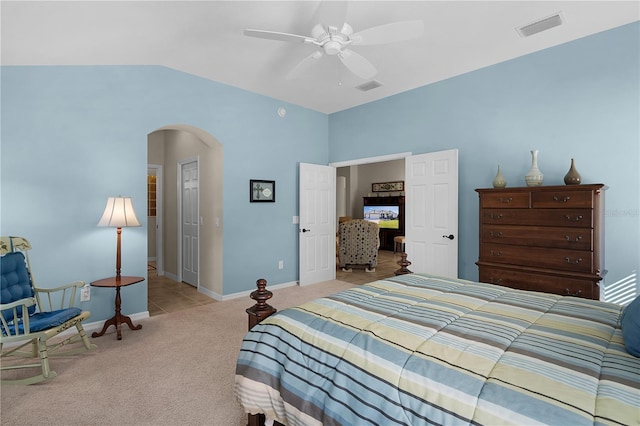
31	316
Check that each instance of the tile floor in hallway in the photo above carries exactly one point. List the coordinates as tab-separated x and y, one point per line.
166	295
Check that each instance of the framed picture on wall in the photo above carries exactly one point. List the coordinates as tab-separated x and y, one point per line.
262	191
387	186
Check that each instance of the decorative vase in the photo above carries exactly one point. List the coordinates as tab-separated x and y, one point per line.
535	176
499	181
572	177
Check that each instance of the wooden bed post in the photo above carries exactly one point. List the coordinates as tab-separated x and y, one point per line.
257	313
261	309
403	262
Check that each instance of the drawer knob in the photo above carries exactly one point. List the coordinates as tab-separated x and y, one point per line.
505	200
496	253
495	281
578	218
568	292
495	234
576	239
495	215
561	199
568	260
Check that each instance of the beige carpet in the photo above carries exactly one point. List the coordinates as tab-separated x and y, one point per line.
178	370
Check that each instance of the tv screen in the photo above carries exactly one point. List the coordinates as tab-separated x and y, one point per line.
384	216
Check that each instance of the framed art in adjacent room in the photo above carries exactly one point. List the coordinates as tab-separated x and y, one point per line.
387	186
262	191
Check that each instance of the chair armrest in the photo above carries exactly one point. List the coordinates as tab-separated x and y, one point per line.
29	301
9	327
60	297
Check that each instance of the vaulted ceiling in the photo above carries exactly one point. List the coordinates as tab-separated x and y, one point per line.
205	38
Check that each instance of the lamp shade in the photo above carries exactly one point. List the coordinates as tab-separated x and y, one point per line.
119	213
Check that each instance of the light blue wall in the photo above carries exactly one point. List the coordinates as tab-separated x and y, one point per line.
580	100
72	136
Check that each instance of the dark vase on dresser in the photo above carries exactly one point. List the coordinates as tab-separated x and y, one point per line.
547	238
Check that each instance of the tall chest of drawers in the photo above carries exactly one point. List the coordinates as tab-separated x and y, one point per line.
547	238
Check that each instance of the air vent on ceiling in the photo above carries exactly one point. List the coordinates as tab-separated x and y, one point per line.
369	85
540	25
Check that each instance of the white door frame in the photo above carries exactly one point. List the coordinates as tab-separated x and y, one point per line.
370	160
179	216
398	156
159	246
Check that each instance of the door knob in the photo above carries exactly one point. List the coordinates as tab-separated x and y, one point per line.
450	236
306	230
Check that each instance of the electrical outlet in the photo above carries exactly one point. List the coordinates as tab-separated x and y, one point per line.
85	293
281	264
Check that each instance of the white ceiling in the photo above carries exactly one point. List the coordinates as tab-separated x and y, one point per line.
205	38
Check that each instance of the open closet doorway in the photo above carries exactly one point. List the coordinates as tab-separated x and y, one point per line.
154	218
173	147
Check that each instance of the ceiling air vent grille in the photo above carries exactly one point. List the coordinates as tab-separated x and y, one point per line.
369	85
540	25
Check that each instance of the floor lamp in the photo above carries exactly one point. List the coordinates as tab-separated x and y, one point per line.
119	214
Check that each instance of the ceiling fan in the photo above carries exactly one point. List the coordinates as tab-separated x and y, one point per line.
333	42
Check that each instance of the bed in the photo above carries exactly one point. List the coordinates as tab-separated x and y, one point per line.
418	349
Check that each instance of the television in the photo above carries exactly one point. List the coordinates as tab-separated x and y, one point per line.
387	217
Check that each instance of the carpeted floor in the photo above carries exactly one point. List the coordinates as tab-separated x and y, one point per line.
178	370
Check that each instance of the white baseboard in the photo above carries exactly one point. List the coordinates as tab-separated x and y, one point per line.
169	275
248	292
89	328
97	325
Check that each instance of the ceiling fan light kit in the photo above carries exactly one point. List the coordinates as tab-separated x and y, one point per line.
333	42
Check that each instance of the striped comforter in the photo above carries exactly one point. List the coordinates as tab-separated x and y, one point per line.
416	350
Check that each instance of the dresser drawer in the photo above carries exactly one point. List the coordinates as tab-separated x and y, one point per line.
539	282
538	236
562	199
506	200
567	260
579	218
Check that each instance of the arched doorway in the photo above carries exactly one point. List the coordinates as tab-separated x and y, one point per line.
168	147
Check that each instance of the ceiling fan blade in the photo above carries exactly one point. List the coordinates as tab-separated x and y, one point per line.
331	12
317	31
389	33
357	64
304	65
274	35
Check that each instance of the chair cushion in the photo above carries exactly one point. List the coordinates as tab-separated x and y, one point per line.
45	320
15	282
630	324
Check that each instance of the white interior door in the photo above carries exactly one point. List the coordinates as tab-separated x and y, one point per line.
431	212
317	232
190	219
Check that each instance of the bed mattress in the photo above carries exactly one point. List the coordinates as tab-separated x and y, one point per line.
418	349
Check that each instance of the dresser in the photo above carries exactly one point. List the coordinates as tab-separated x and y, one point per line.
547	238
